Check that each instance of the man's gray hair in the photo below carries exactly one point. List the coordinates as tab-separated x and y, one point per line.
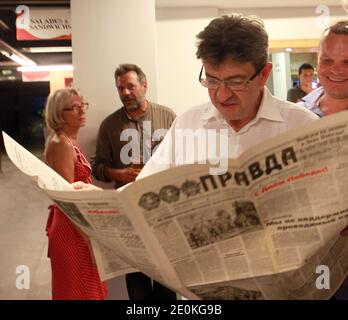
127	67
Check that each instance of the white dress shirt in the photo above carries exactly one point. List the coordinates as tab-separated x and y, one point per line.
212	138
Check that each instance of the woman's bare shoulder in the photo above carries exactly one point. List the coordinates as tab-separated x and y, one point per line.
58	145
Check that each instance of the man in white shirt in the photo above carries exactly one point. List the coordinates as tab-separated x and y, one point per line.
241	112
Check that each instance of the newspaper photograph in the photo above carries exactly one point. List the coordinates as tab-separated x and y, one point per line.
264	229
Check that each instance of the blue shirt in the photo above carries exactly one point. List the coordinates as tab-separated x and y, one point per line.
310	101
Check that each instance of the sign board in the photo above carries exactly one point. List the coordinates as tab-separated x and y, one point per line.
28	76
43	23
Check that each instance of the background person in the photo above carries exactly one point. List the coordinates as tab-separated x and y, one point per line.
131	86
145	117
332	96
74	274
305	74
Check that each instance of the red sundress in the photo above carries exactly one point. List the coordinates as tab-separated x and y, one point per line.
74	274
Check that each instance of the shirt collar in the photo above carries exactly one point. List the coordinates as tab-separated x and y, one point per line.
311	99
210	113
268	110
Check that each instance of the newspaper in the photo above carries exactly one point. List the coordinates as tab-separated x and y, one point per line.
261	230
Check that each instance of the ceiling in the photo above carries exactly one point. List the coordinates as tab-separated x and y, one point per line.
245	3
197	3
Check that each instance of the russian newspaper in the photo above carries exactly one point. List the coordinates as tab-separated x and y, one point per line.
267	228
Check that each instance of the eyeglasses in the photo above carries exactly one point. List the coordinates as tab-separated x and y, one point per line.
76	108
232	84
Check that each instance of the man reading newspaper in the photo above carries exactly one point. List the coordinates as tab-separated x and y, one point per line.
243	113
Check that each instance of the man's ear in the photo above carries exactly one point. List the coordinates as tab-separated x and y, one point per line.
266	71
145	85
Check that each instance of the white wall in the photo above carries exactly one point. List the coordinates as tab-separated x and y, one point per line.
281	74
294	23
177	65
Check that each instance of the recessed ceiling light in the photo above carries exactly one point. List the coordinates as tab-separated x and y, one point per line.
65	67
47	49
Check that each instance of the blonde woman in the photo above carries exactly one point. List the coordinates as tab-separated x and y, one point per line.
74	275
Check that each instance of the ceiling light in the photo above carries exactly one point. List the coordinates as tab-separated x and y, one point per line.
47	49
63	67
11	53
16	58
